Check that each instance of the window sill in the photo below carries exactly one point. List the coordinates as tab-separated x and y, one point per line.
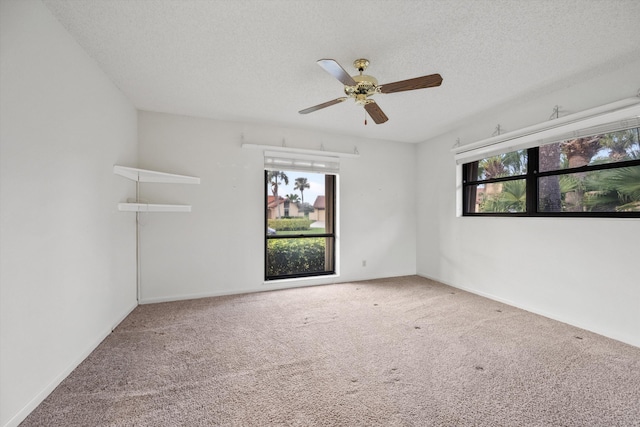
319	280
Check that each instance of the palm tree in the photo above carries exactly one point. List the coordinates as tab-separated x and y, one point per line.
492	167
549	194
301	184
511	198
276	178
579	152
614	190
605	190
294	198
623	145
515	162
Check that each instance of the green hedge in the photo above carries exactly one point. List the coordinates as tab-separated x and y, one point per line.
292	256
290	224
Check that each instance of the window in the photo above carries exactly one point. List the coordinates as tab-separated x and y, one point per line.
299	224
597	175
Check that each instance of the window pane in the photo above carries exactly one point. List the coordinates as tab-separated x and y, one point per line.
609	190
295	203
299	256
504	197
508	164
606	148
293	245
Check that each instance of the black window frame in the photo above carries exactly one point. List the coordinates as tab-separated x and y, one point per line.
330	218
532	176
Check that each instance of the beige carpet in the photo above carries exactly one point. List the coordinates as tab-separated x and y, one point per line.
394	352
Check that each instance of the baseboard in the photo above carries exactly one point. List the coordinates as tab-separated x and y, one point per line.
122	316
46	391
537	311
266	287
261	288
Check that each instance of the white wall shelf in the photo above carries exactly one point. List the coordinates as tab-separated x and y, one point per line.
144	175
152	207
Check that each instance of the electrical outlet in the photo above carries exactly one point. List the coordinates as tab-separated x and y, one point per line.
364	262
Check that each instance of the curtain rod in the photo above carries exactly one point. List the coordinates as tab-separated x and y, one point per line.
299	150
619	110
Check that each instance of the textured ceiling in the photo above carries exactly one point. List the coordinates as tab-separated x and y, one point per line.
255	60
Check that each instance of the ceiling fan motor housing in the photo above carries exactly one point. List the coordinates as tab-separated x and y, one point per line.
365	87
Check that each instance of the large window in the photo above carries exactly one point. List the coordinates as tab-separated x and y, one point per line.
597	175
299	224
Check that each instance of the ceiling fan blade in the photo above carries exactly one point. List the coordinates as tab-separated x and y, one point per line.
336	70
423	82
376	112
323	105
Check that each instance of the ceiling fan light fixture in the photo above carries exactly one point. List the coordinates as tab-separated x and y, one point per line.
361	99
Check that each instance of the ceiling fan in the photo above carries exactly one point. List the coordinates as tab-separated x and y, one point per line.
361	87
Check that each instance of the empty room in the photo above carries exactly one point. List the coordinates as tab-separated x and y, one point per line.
319	213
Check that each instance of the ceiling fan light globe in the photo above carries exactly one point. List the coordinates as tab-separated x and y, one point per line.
350	91
361	99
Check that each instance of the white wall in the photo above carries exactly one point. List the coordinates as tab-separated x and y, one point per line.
67	265
218	248
580	271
